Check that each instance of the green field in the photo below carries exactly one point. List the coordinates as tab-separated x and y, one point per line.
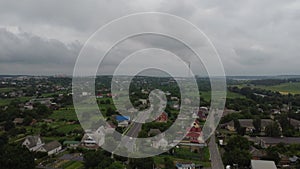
75	165
64	113
6	89
68	164
68	128
186	154
284	88
4	102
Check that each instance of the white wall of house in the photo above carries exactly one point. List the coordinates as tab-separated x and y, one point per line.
54	151
51	152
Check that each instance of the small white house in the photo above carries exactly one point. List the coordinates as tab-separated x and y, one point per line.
143	101
33	143
96	138
88	140
28	107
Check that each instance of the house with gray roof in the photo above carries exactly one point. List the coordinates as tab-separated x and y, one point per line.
51	148
295	123
256	153
266	142
248	124
18	121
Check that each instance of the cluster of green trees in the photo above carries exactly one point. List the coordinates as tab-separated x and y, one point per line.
257	107
12	111
272	99
273	152
14	156
237	152
272	82
101	159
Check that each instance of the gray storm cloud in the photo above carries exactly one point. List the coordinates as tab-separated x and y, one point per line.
252	36
30	52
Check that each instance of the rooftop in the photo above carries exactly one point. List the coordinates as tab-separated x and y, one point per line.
274	140
122	118
261	164
51	146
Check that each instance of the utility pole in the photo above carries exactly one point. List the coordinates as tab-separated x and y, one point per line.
189	71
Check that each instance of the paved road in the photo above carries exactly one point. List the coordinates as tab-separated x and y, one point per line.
133	133
134	130
216	160
137	123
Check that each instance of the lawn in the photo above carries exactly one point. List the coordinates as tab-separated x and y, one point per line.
57	138
68	128
51	94
73	165
67	164
185	155
64	114
159	160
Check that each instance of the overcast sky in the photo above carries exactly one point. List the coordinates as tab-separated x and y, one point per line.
253	37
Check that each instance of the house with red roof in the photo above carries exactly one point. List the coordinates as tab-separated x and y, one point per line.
99	96
194	133
162	118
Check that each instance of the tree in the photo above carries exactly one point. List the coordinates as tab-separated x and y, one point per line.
237	142
9	125
257	124
237	124
42	110
16	157
169	163
92	159
97	159
237	151
106	162
107	101
121	158
27	120
141	163
272	154
297	164
143	134
241	131
116	165
237	156
287	129
3	140
110	111
273	130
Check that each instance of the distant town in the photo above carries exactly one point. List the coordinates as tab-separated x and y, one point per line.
259	129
